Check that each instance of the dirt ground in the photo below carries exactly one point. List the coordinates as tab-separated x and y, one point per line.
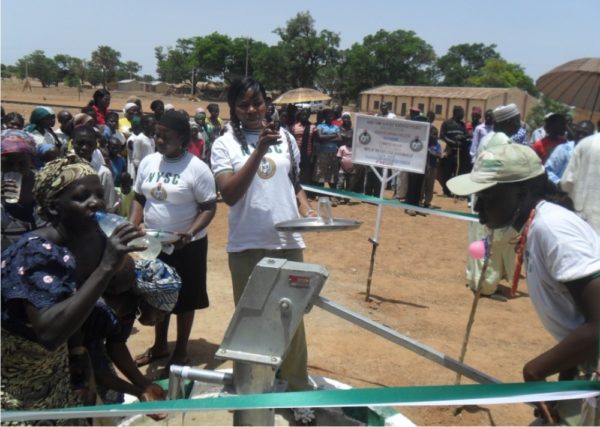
418	289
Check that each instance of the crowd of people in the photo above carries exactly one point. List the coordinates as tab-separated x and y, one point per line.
71	294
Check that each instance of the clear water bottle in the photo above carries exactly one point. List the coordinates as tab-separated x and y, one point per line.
108	222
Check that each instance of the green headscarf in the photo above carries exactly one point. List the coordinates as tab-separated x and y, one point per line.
37	115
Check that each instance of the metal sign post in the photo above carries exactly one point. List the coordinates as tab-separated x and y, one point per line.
375	239
392	144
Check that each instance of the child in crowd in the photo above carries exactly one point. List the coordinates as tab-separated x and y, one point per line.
84	144
153	291
111	129
197	143
143	142
117	163
434	154
45	153
125	193
353	175
14	121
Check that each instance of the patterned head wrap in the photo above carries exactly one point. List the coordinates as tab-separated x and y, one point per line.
157	283
56	176
17	141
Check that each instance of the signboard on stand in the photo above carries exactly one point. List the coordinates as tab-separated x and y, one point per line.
390	143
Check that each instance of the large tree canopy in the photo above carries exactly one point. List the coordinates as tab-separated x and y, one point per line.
398	57
500	73
106	60
39	66
463	61
304	50
302	57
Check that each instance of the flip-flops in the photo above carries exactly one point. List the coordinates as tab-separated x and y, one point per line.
148	357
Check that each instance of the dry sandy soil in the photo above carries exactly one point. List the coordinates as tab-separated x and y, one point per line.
418	289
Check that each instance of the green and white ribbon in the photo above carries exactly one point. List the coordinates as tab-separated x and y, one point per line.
472	394
465	216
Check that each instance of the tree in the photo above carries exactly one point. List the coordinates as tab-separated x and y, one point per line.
211	55
148	78
463	61
175	64
235	66
39	66
305	51
398	58
106	60
130	69
270	67
94	74
500	73
8	71
536	115
69	69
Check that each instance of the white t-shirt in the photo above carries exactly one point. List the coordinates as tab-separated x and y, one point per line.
62	137
560	248
142	146
173	188
270	198
581	179
484	143
39	138
107	181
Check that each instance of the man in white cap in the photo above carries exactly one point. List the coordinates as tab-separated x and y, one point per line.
561	253
507	121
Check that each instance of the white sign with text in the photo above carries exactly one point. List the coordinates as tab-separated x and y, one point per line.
390	143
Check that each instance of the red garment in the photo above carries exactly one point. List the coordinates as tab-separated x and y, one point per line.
100	115
337	122
196	147
545	146
298	132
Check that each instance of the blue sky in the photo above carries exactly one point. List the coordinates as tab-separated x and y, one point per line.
538	35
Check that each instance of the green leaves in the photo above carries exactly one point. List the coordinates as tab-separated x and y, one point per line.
106	60
500	73
536	115
39	66
398	57
464	61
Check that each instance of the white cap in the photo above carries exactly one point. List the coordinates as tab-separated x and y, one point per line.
505	112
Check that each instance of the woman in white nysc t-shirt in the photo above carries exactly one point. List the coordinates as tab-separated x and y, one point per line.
175	191
254	170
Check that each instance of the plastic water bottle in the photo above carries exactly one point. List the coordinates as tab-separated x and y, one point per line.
108	222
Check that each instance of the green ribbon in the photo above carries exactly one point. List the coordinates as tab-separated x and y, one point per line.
465	216
357	397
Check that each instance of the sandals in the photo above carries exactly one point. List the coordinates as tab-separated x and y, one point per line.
149	356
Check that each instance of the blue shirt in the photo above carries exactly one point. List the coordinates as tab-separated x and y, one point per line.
432	160
118	166
558	161
328	146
